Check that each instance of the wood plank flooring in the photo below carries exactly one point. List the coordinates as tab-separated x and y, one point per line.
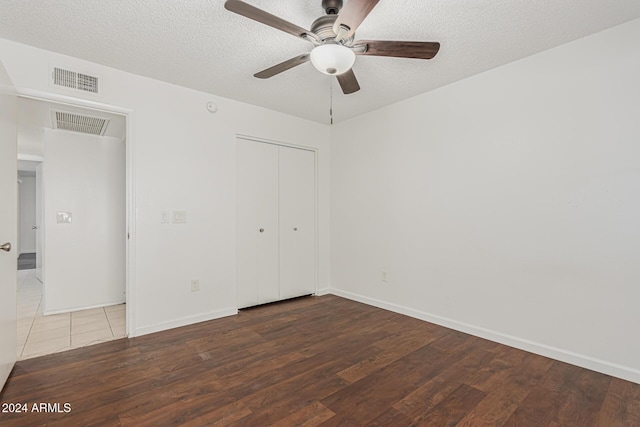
314	361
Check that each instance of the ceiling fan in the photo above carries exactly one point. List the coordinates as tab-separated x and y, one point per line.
332	35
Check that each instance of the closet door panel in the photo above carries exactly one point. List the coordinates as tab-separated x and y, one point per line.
257	223
267	226
297	222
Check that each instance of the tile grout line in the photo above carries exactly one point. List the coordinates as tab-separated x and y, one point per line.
109	322
33	319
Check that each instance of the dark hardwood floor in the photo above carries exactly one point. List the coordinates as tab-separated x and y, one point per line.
314	361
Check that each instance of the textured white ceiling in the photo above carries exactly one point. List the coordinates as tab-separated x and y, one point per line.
201	45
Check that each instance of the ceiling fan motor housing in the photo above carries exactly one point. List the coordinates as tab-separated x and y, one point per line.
323	27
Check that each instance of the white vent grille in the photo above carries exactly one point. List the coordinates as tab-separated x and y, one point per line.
73	80
79	123
87	83
64	78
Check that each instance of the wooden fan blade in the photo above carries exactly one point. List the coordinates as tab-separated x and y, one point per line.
348	82
399	49
283	66
352	15
251	12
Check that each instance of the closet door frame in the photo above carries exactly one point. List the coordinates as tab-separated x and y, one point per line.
315	195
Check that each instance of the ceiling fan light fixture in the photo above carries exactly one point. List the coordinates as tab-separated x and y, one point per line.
332	58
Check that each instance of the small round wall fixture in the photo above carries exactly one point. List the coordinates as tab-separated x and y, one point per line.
212	107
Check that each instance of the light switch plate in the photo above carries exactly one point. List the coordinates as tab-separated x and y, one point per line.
63	217
179	217
164	217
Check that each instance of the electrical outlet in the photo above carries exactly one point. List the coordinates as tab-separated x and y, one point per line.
384	276
195	285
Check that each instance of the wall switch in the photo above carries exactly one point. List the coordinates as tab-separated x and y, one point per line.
384	276
195	285
63	217
164	217
179	217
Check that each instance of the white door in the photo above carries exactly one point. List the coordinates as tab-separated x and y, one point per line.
256	223
297	222
39	225
8	225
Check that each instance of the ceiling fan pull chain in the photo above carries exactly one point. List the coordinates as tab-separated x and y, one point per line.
331	101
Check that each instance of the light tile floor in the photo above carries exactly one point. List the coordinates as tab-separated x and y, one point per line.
39	334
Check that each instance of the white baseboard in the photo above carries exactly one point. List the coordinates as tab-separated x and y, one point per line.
324	291
88	307
184	321
613	369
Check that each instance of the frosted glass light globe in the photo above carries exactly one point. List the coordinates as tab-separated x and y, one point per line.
332	59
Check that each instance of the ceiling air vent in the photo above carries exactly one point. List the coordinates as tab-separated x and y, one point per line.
73	80
79	123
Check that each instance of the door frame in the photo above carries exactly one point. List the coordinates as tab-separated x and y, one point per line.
130	253
316	246
40	231
39	225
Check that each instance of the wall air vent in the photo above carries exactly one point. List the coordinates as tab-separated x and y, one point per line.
79	123
73	80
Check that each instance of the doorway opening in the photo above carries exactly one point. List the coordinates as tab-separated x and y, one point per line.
76	292
27	214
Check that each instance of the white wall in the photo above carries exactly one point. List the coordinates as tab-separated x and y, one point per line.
184	160
85	176
27	214
506	205
30	140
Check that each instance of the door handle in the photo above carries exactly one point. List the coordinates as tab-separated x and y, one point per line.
6	247
34	227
